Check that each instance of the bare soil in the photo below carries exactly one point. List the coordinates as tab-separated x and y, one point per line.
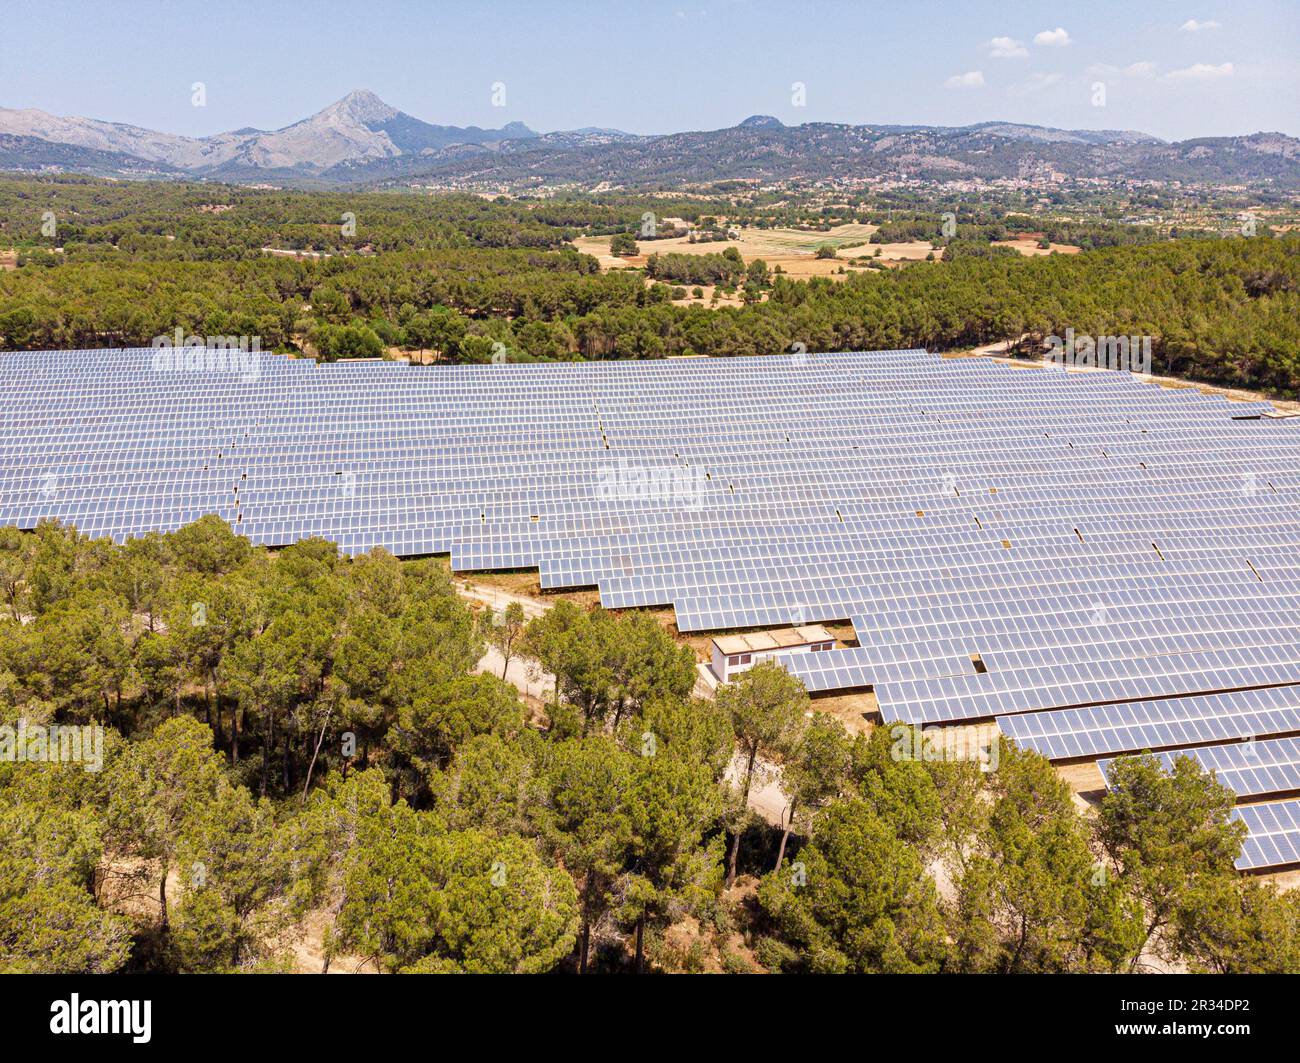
1028	246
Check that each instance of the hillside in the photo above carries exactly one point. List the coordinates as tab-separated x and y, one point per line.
762	152
358	128
361	140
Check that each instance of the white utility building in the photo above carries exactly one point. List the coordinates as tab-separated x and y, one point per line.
733	654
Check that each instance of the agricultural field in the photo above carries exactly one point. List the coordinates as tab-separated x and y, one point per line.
793	250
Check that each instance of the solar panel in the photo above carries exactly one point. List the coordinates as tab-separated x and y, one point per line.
1154	725
1088	538
1274	838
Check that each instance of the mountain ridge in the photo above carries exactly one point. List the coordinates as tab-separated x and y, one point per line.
362	140
359	126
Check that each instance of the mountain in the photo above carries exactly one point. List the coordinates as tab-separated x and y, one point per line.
32	153
356	129
1048	135
110	137
761	153
362	141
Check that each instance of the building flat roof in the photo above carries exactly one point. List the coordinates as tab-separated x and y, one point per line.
785	638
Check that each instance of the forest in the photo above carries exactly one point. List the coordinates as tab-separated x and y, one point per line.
450	277
298	746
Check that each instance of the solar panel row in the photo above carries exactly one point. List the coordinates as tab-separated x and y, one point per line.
1274	838
1172	723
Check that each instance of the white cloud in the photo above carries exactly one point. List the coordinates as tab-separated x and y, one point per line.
1201	72
1143	68
1035	83
1193	25
973	79
1057	38
1007	48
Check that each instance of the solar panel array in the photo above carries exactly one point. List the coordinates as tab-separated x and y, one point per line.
1025	544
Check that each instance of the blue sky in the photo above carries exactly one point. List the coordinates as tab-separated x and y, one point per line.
1176	68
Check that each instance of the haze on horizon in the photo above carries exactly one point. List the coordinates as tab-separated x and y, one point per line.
1174	69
